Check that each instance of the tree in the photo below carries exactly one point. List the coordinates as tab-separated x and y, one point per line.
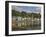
13	12
23	14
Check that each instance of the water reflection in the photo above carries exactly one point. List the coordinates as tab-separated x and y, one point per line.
26	23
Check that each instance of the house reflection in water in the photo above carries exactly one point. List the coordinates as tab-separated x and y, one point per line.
26	22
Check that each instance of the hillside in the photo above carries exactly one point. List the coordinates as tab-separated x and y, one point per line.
24	14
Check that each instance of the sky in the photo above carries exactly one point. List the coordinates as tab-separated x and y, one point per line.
27	9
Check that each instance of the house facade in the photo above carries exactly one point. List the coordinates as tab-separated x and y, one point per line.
26	21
